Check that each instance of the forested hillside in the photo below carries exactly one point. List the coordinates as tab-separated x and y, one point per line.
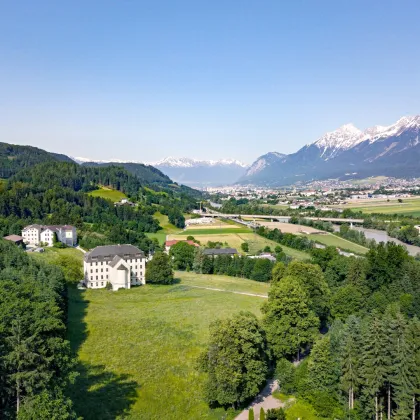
13	158
35	358
149	176
57	193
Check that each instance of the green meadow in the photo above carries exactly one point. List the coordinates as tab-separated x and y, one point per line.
137	349
108	194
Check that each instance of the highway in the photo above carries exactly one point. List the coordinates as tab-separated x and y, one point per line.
284	219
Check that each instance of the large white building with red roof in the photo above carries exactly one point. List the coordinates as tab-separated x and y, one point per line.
44	234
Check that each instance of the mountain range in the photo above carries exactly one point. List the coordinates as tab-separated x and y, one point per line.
191	172
345	153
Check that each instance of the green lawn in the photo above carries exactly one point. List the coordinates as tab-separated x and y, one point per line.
51	254
167	228
138	348
232	284
333	240
108	194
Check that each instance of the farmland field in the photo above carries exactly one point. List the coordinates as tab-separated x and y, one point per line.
235	239
409	206
214	231
333	240
288	227
108	194
137	349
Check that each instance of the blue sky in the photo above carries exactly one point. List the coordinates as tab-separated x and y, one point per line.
142	80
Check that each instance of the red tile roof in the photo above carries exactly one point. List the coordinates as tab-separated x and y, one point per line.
174	241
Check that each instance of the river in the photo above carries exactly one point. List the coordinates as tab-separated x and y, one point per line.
382	236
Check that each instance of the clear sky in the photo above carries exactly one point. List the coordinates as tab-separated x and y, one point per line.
142	80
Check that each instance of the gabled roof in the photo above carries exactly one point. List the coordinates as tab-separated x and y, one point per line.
110	251
13	238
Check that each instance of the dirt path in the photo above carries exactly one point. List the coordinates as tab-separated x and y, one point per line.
264	400
227	291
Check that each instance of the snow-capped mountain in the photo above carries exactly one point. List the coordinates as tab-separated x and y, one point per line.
184	162
200	173
392	150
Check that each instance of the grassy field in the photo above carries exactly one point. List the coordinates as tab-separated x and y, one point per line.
138	348
167	228
108	194
235	240
409	206
51	254
333	240
231	284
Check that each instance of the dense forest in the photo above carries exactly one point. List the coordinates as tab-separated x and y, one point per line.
58	193
341	335
14	158
35	359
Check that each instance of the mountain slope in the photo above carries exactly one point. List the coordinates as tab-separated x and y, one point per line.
201	173
349	152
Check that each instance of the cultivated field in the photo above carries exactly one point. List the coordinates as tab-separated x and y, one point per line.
333	240
108	194
235	239
138	348
409	206
289	227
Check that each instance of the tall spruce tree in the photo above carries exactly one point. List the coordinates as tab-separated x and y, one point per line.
351	359
374	362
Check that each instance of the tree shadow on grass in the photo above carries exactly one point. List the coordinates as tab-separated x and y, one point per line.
100	394
97	393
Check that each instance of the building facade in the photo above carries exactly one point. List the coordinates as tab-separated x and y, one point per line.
44	234
122	266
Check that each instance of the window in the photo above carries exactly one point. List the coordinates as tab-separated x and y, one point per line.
96	284
96	277
91	284
102	270
102	283
91	270
107	276
96	270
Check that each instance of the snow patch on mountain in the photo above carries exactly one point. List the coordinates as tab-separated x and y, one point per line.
191	162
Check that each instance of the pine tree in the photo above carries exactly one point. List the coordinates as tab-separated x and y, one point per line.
262	414
251	414
374	364
351	360
403	366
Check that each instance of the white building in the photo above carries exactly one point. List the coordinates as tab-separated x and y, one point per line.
122	266
44	234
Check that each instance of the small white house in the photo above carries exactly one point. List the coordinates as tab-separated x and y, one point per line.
37	234
122	266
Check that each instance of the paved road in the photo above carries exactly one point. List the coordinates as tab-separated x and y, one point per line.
264	400
81	249
228	291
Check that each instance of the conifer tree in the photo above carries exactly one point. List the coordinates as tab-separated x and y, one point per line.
403	363
374	363
351	360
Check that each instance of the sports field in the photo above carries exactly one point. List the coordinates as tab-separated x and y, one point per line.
108	194
137	349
